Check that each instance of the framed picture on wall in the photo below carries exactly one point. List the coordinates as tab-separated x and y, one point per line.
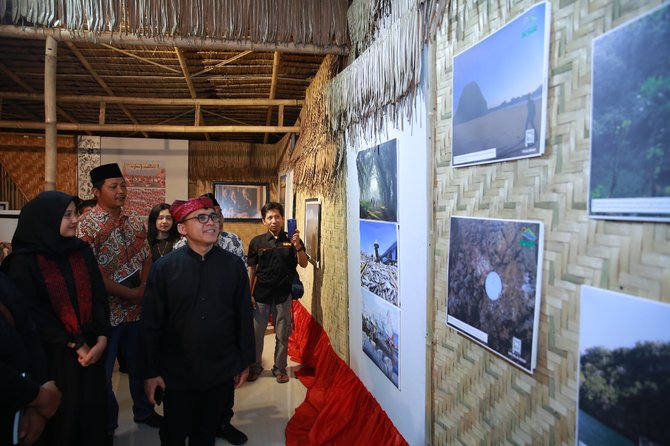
282	190
500	93
241	201
4	205
312	235
624	356
630	116
494	279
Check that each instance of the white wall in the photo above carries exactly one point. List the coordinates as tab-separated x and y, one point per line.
172	152
406	405
8	221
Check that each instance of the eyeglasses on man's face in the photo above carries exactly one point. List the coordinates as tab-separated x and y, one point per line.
204	218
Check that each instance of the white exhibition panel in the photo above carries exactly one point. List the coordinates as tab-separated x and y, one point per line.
173	153
405	404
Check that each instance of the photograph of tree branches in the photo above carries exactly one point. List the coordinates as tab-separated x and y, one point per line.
624	370
630	135
378	182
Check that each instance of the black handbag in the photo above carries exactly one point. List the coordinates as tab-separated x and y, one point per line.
297	288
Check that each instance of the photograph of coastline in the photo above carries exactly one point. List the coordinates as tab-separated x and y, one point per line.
624	370
379	260
381	335
500	93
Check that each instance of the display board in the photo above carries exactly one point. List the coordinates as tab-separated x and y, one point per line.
158	169
388	191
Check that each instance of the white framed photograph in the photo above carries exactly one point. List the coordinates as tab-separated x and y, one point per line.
495	275
500	93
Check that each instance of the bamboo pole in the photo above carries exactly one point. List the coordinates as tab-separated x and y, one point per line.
66	126
120	38
50	113
132	100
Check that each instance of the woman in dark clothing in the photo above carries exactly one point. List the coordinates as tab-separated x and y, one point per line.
58	276
161	231
23	372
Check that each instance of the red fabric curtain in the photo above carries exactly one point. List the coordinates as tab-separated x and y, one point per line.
338	409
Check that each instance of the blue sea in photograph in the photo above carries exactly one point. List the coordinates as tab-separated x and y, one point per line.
593	433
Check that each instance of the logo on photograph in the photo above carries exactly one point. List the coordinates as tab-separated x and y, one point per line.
531	23
528	238
516	346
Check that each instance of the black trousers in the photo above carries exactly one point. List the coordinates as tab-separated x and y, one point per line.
195	415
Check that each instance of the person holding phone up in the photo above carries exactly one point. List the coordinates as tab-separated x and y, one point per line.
272	260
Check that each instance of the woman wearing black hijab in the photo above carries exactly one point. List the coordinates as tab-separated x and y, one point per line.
58	276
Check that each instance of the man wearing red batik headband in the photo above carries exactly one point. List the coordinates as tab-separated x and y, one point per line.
197	339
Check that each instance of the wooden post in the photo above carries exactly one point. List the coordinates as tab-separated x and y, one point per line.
50	119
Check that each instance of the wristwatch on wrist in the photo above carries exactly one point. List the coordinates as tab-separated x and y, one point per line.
76	345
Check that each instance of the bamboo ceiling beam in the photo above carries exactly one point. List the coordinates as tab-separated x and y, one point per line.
152	128
199	119
7	72
223	63
78	54
142	59
226	118
132	100
116	38
273	92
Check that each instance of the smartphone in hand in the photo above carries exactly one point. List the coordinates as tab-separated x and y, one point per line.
158	395
292	225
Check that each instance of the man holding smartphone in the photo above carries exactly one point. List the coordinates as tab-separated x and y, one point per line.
197	338
272	259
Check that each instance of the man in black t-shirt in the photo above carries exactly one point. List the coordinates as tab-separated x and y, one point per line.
272	260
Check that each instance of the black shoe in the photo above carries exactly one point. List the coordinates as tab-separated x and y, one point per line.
153	420
231	434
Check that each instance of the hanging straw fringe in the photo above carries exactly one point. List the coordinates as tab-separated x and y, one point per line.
319	166
314	22
235	161
382	83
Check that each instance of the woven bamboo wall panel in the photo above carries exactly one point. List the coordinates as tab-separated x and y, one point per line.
327	296
23	157
479	398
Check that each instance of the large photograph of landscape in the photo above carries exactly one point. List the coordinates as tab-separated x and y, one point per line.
500	93
381	335
494	283
378	182
630	130
624	370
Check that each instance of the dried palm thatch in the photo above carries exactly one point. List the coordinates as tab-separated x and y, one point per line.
318	167
234	161
317	22
382	82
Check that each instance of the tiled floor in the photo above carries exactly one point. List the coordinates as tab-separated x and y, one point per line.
262	408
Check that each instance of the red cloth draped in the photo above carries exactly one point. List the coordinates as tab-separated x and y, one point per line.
338	409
